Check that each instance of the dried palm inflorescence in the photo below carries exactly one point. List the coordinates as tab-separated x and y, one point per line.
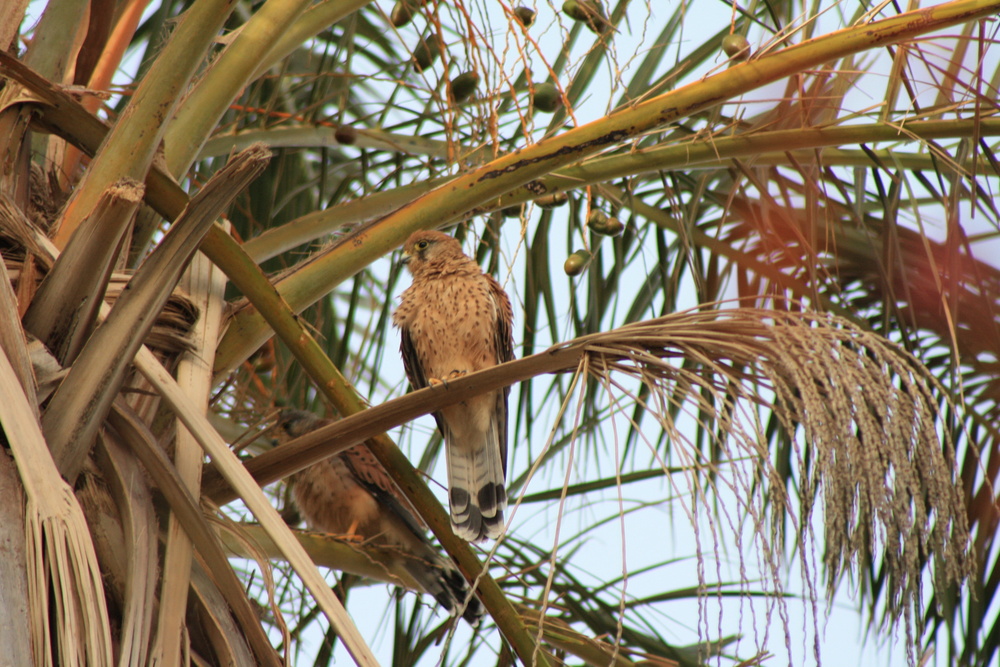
872	445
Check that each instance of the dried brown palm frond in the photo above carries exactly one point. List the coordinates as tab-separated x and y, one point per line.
13	570
60	561
170	334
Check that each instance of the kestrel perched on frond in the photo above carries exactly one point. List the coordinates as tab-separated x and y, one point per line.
351	495
454	319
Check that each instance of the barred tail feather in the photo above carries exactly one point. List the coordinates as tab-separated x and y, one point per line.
477	494
448	587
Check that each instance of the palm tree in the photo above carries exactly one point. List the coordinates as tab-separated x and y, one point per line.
752	296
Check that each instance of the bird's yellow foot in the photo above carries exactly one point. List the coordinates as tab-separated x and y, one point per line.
437	382
352	534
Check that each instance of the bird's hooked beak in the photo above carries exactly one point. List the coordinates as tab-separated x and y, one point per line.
405	259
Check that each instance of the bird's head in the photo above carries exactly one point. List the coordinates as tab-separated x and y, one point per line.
293	423
424	248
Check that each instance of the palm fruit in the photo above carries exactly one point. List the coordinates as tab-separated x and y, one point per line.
552	201
547	97
463	85
613	227
426	52
736	47
402	12
572	9
346	135
525	15
577	263
600	222
596	220
589	12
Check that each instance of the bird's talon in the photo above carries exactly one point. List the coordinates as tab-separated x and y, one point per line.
352	533
437	382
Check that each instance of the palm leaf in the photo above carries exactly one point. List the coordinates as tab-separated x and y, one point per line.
796	177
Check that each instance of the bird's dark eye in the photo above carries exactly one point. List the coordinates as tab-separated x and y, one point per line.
422	244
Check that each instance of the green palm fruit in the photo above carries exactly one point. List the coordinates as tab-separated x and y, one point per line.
614	227
552	201
577	263
589	12
426	52
525	15
402	13
600	222
597	220
572	9
736	47
464	85
547	97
